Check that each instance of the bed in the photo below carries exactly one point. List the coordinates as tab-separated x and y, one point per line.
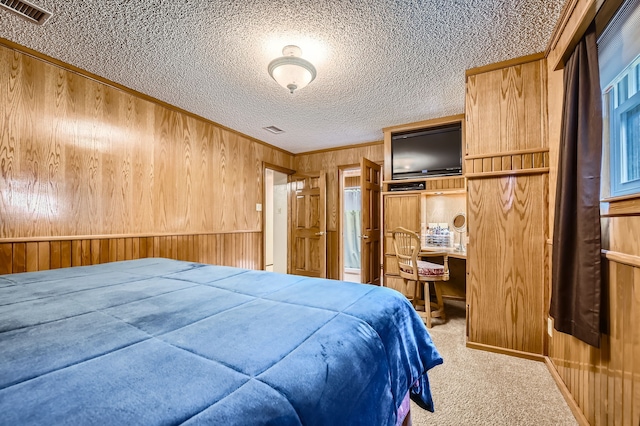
159	341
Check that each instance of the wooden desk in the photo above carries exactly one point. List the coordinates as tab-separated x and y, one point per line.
452	252
455	288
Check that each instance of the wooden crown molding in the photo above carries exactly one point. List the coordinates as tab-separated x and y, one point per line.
339	148
425	123
505	64
574	20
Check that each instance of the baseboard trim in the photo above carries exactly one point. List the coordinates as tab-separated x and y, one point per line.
504	351
566	393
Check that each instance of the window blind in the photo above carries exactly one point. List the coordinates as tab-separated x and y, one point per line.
619	43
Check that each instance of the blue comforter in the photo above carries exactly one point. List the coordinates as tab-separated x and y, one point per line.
158	341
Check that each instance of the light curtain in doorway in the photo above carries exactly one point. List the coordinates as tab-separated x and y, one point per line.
352	205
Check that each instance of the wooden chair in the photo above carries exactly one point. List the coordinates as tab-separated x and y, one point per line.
411	269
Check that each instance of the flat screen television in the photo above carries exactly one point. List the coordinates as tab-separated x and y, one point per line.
436	151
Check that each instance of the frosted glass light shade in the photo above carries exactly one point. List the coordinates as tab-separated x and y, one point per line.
291	71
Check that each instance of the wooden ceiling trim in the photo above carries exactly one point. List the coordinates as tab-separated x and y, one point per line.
505	64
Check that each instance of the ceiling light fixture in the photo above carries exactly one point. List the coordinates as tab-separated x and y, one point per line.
290	70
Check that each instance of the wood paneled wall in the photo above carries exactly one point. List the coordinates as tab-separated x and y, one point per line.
231	249
507	180
329	161
602	385
506	262
506	110
82	159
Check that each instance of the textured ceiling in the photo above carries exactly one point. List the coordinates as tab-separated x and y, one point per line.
380	62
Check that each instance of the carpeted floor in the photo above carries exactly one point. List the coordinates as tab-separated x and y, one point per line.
475	387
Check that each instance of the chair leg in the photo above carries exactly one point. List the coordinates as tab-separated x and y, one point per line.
440	301
414	299
427	304
406	289
416	295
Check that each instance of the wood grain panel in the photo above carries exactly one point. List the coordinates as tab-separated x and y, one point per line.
329	161
449	184
398	210
508	163
605	382
506	109
507	206
78	157
6	258
65	254
85	247
506	261
32	257
242	249
333	262
445	183
401	210
56	258
20	257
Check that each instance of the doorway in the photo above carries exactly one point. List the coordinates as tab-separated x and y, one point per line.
351	213
359	223
275	221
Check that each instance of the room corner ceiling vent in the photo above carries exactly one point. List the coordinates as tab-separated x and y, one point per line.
274	130
27	10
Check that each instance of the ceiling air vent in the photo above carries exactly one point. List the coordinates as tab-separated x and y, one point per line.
274	130
27	10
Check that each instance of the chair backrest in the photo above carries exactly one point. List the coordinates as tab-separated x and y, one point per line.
406	244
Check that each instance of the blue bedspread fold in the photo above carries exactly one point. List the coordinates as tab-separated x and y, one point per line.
157	341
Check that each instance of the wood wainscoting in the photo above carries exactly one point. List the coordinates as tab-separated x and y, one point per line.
603	384
92	172
82	158
240	249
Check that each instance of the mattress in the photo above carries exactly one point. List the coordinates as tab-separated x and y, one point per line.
159	341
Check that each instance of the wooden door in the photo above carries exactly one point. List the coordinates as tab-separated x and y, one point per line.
507	175
308	248
399	210
370	226
506	261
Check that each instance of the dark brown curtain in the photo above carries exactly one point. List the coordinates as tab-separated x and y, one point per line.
576	280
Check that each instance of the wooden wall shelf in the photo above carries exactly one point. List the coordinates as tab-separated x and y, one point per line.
448	184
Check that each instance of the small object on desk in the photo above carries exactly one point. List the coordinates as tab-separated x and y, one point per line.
459	224
436	236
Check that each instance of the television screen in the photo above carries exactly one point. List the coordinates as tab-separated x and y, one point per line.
436	151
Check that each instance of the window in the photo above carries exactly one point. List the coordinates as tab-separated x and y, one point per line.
619	60
624	108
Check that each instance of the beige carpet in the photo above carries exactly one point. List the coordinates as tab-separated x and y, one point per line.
475	387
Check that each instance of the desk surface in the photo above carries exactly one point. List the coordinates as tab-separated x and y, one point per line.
449	250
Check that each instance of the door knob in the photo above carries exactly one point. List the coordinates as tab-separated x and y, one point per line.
320	234
365	236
